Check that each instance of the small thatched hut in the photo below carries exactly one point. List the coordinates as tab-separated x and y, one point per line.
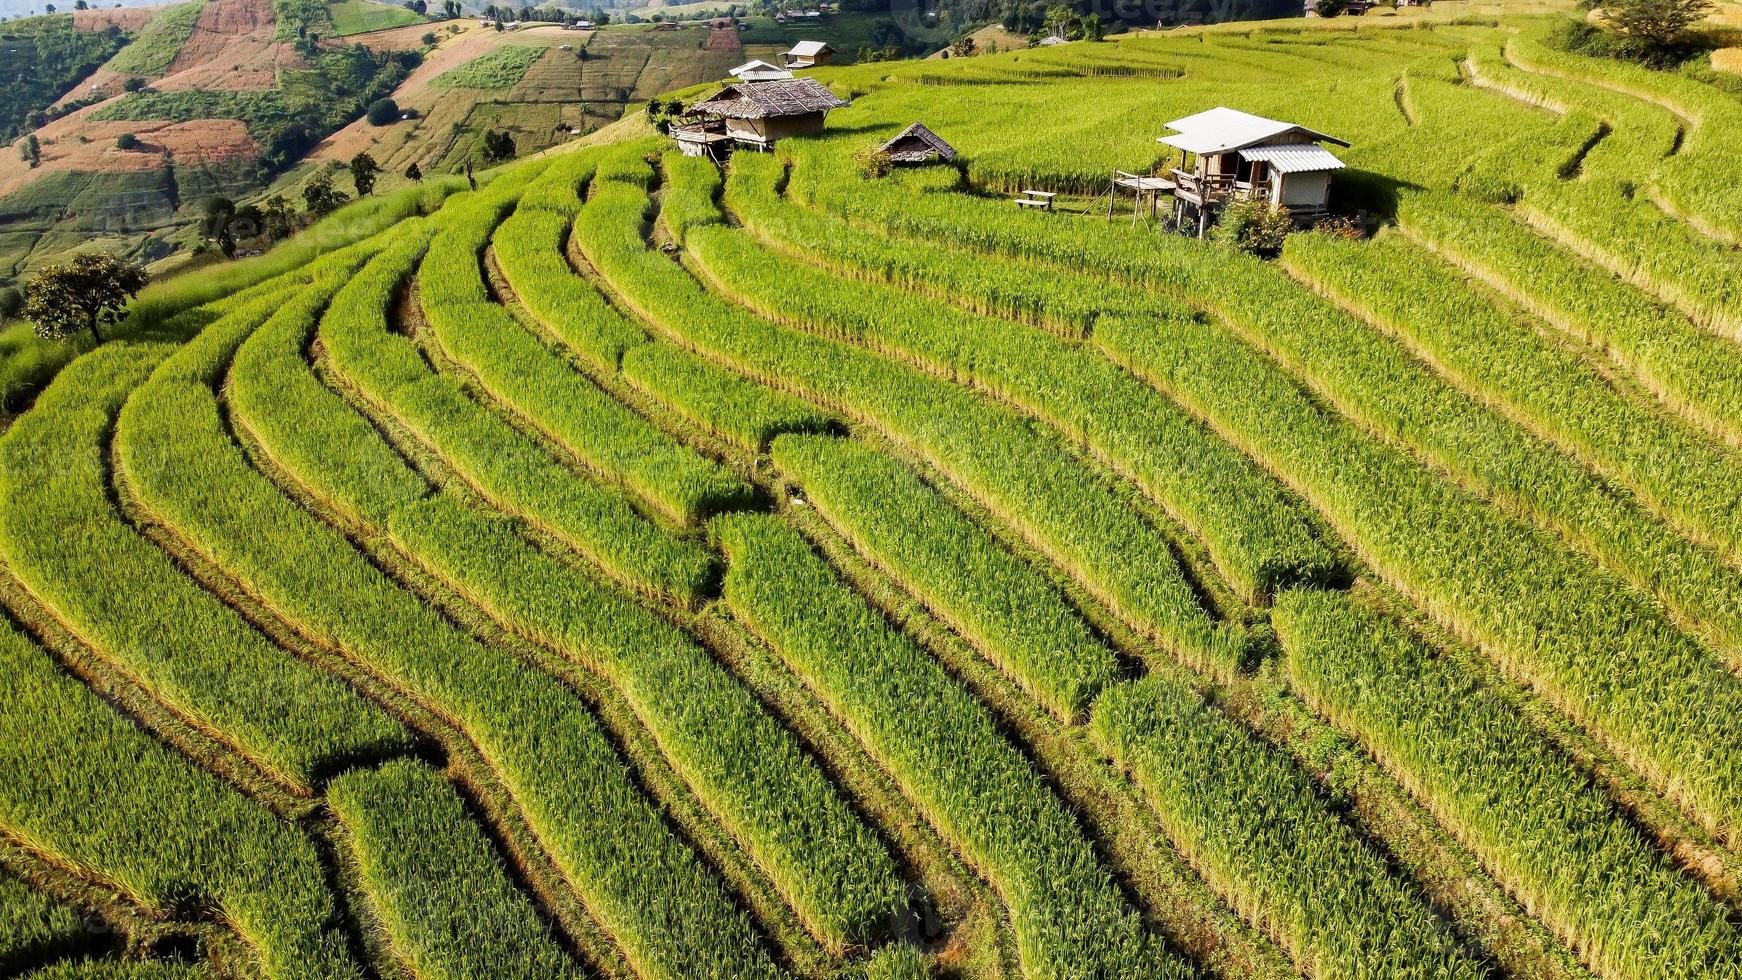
917	144
758	113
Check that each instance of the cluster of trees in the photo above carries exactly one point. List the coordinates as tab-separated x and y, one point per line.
498	146
224	224
41	59
552	15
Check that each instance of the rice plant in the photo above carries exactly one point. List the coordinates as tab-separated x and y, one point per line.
740	762
1256	826
652	893
945	750
82	784
436	883
1256	534
1023	475
1570	854
747	413
1009	611
537	385
138	612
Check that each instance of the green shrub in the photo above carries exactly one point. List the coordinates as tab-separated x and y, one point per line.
383	112
1253	226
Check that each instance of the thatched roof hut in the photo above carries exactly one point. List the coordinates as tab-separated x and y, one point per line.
770	99
917	144
758	113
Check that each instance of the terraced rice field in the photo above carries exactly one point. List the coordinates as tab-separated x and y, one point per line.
638	569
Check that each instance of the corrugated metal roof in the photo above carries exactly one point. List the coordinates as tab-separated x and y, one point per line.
1221	129
759	71
1293	158
805	49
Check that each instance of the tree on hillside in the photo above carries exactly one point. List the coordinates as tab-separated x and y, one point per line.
363	172
319	196
498	145
1060	19
127	141
962	47
85	294
274	218
414	172
219	213
1660	24
11	302
451	8
382	112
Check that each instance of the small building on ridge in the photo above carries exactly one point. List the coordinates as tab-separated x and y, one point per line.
808	54
759	71
1226	154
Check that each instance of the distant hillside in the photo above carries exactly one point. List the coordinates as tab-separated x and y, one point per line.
150	117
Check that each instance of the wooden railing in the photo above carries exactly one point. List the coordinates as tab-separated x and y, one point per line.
1212	188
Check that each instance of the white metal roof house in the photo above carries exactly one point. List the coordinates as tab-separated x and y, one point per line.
1226	153
808	54
759	71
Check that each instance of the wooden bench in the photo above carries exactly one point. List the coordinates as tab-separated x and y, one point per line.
1023	202
1048	195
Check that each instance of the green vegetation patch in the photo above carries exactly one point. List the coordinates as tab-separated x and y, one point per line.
449	907
32	925
361	16
158	42
501	68
298	19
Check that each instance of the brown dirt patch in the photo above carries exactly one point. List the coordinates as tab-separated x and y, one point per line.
100	82
724	39
231	49
127	18
199	143
1728	59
